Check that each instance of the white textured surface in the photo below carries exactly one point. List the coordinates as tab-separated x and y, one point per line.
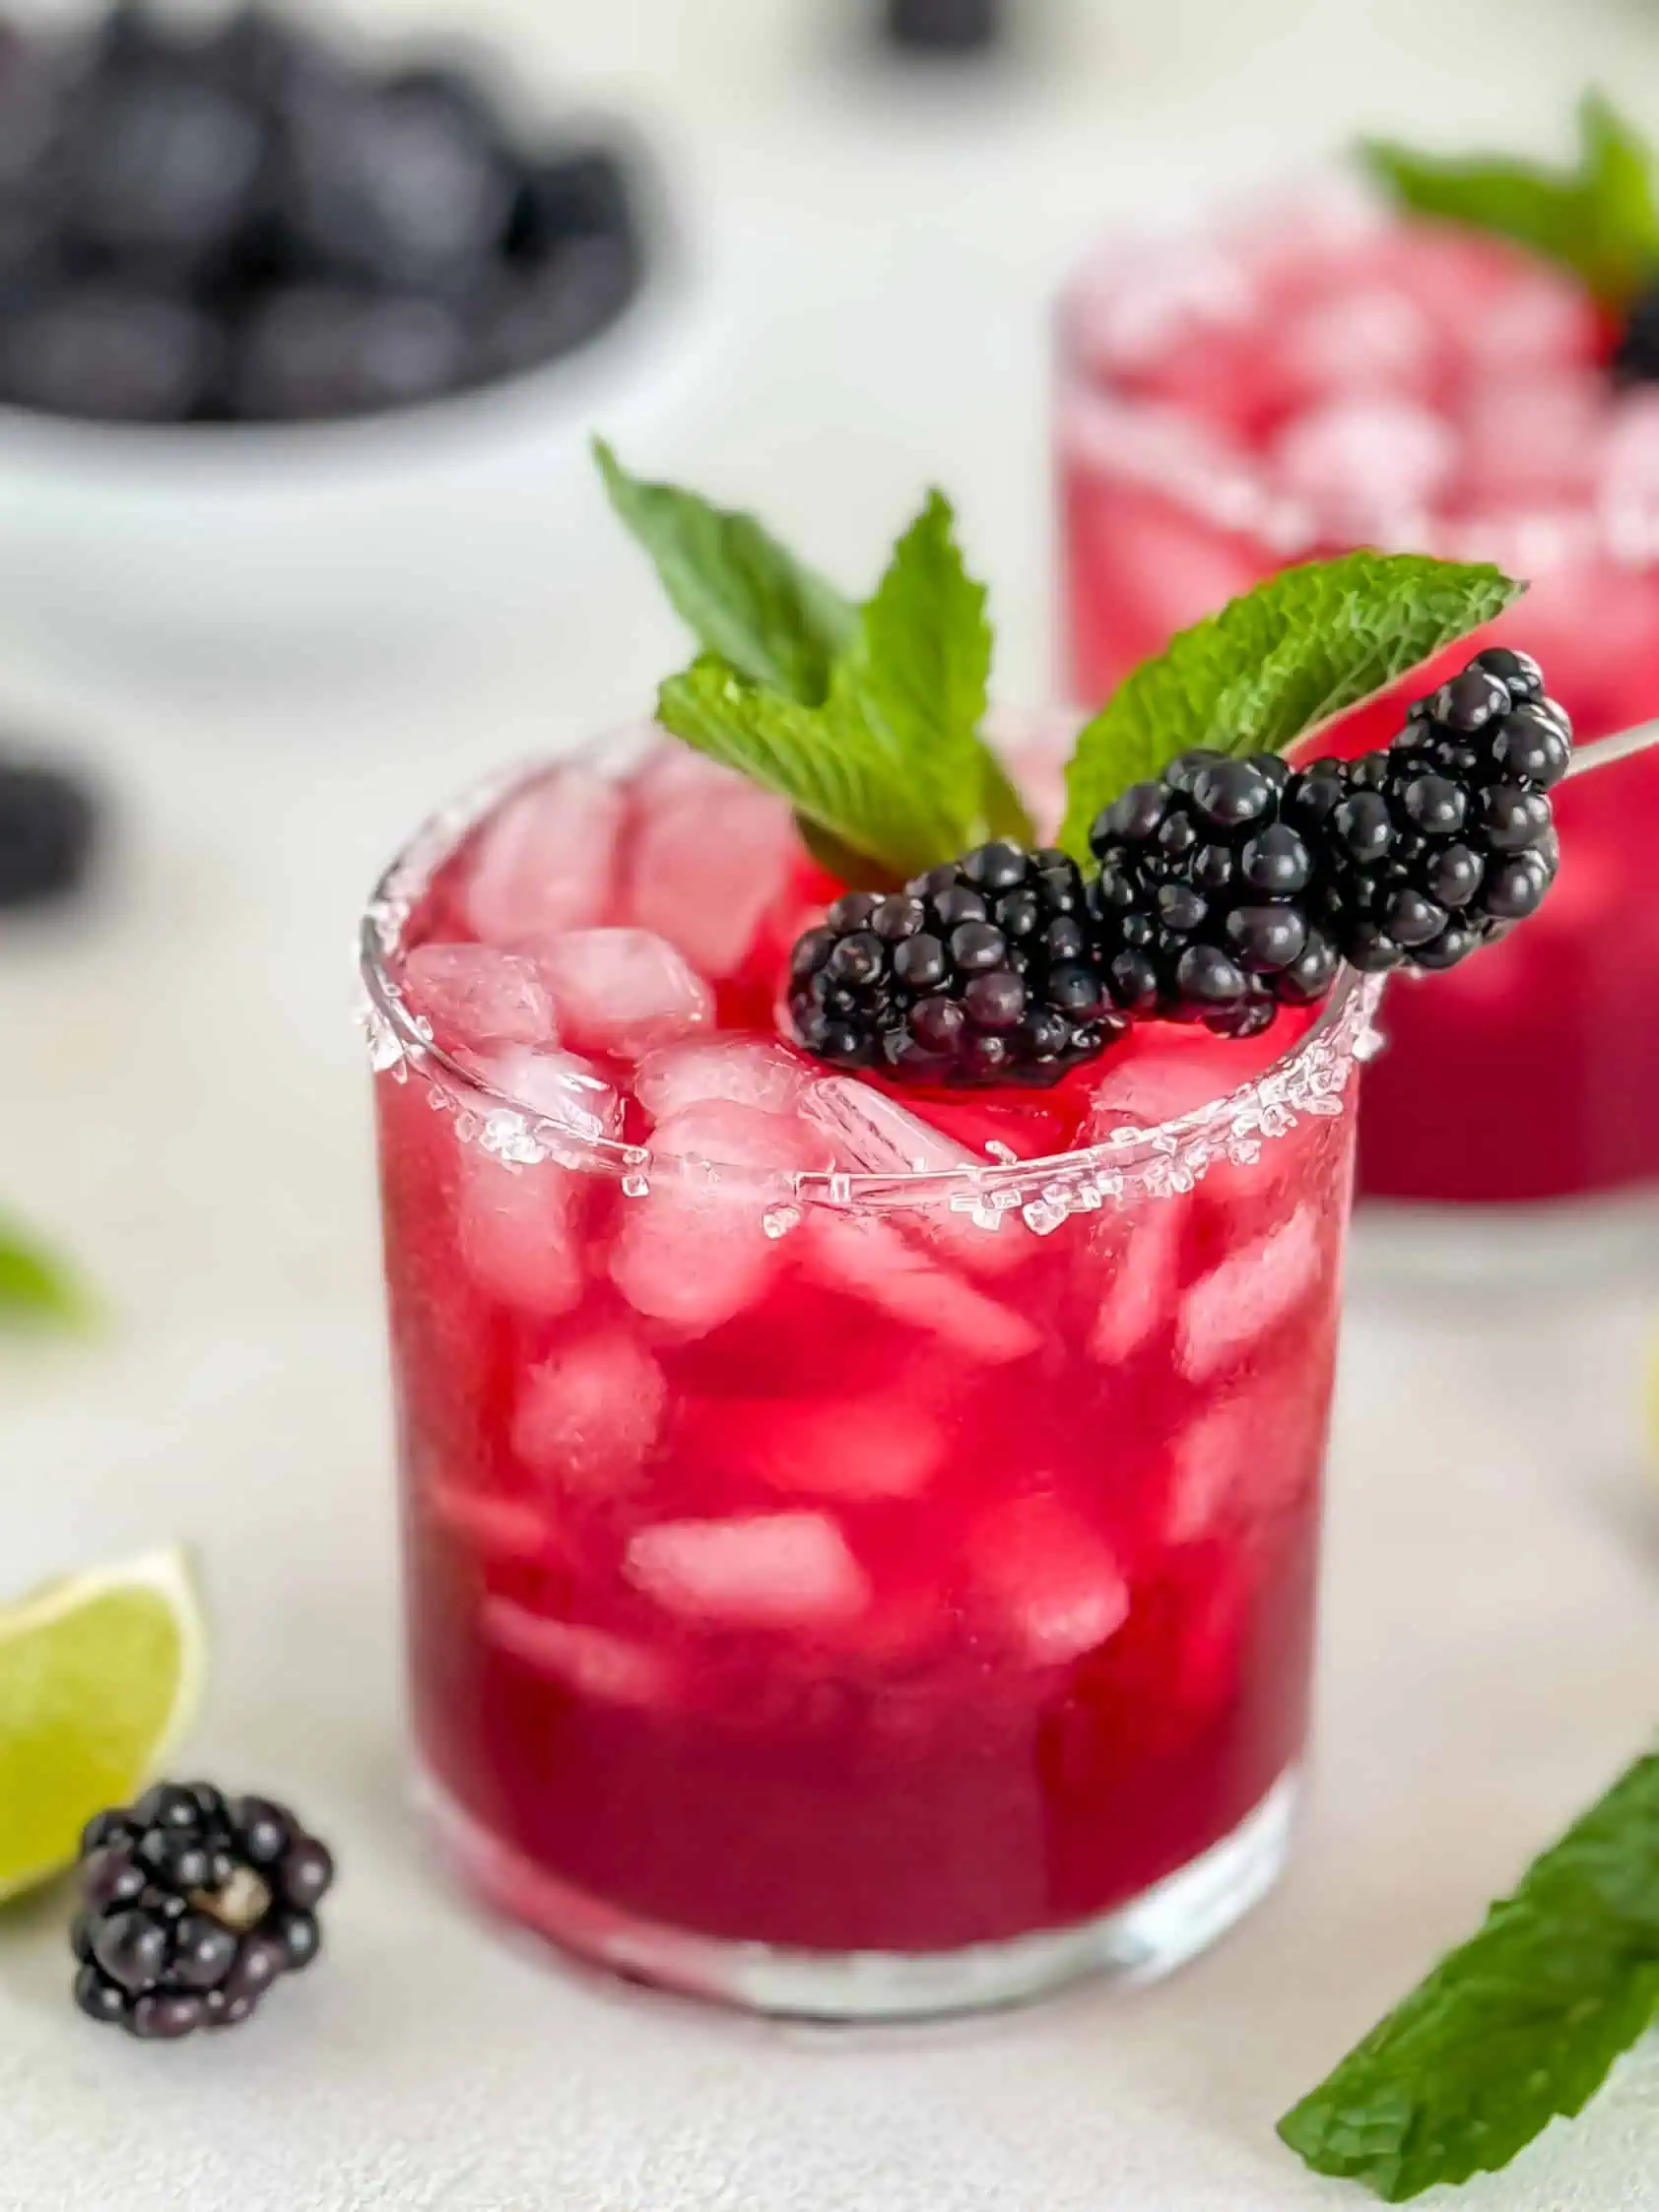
184	1101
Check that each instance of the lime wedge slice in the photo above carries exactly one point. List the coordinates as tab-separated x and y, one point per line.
101	1675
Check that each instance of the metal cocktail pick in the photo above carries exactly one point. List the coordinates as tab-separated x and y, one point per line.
1606	750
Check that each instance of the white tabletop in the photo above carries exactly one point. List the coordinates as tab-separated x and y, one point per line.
184	1103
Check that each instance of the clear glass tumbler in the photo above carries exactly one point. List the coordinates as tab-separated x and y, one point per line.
849	1572
1315	376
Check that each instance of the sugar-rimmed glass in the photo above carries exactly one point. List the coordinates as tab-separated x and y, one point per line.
925	1621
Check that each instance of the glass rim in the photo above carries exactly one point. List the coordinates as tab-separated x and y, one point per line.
1237	492
1157	1158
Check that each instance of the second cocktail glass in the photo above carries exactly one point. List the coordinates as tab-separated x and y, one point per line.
1319	377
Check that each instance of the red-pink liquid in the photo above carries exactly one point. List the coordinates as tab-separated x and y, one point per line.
884	1582
1318	381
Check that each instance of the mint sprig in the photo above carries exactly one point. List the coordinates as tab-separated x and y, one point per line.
1515	2028
744	597
37	1289
1275	666
1599	218
866	719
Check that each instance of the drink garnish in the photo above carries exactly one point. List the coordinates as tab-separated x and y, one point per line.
1516	2027
1599	218
37	1287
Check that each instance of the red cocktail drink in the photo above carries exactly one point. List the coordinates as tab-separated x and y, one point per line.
1325	378
861	1543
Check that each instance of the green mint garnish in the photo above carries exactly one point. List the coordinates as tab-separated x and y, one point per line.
1273	667
867	720
744	598
37	1288
1597	219
1518	2025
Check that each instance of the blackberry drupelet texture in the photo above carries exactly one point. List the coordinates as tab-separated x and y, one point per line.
193	1903
1201	905
982	970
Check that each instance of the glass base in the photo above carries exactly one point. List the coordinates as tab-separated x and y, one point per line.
1609	1236
1156	1931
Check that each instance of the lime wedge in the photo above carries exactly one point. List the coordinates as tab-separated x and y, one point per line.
100	1676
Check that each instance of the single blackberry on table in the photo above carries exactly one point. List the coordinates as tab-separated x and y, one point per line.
193	1903
48	825
1201	906
982	970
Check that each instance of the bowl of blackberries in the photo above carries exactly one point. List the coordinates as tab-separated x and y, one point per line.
238	254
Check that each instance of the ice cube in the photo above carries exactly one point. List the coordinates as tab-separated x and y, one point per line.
621	992
1137	300
589	1660
870	1132
705	864
557	1088
509	1528
1537	318
765	1075
782	1570
693	1250
1190	1073
1367	461
878	1447
474	995
870	1260
1628	461
1133	1266
1053	1583
1230	1311
588	1419
1206	1467
1530	436
547	860
515	1228
1367	338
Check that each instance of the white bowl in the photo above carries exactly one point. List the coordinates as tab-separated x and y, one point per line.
180	560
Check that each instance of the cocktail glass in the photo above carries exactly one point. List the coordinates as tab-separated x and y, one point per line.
1318	377
861	1548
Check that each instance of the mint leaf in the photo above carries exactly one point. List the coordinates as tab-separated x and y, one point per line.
886	769
1597	219
919	672
1274	666
1519	2025
37	1288
746	599
838	769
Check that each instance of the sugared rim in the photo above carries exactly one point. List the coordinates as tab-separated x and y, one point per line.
1135	437
1160	1160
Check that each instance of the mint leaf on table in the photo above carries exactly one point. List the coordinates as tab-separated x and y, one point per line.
1516	2027
1599	219
37	1288
881	755
1277	665
744	597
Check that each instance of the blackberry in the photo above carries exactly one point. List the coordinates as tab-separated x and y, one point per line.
1444	840
192	1905
47	823
1202	903
981	970
1636	356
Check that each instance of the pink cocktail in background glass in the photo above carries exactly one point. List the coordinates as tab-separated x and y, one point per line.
861	1548
1318	377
